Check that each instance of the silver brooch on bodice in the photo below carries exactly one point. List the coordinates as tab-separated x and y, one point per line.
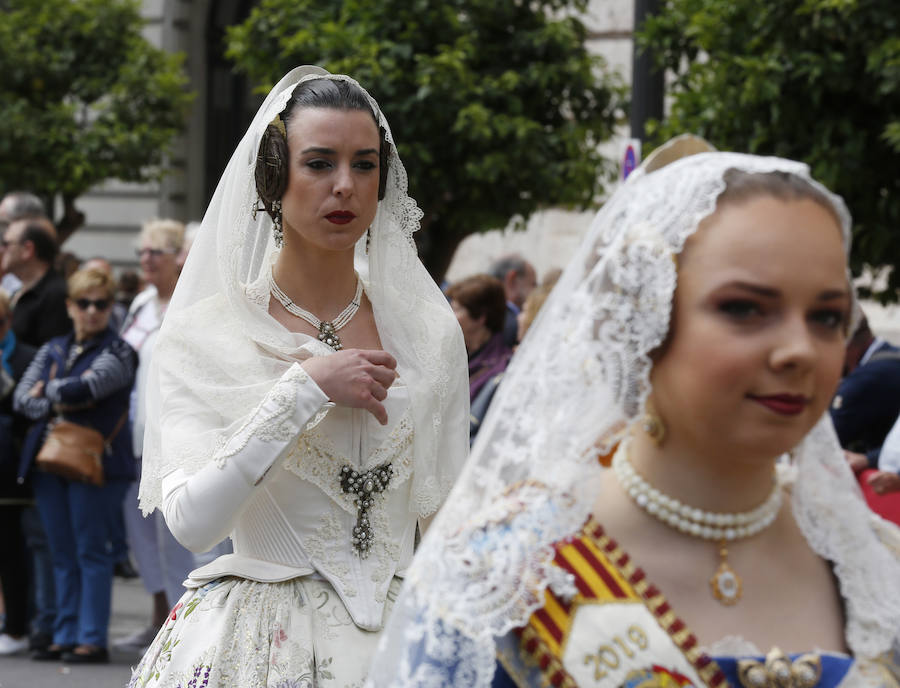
364	486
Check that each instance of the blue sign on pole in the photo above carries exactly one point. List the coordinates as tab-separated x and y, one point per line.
629	161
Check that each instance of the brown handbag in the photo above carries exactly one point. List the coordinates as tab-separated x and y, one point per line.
75	452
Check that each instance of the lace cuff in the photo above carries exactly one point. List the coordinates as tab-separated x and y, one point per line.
200	509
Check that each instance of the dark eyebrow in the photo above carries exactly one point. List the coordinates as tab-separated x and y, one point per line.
834	294
754	288
768	292
330	151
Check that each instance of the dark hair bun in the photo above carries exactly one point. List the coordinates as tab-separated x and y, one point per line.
271	167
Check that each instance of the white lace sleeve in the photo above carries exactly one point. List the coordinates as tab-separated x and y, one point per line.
200	508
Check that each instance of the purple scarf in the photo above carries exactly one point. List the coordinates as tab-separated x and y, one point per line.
488	361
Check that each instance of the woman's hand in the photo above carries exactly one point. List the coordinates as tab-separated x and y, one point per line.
359	378
38	390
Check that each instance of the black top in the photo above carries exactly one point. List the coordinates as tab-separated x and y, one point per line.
40	313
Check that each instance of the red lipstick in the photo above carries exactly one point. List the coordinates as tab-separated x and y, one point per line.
340	217
783	404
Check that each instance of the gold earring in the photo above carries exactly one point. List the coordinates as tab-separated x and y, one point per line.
652	423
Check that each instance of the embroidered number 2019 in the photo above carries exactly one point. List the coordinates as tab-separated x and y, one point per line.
610	656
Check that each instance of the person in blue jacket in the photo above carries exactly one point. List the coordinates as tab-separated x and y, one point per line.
85	377
867	401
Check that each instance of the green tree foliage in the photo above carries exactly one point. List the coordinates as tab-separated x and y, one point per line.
497	107
83	98
813	80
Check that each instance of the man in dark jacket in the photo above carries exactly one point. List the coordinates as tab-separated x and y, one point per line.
39	307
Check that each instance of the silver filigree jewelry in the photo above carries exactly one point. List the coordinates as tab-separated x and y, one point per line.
721	527
327	329
277	228
364	486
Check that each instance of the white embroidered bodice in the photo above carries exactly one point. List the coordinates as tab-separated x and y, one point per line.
302	517
281	497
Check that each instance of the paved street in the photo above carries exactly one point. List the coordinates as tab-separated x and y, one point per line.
131	610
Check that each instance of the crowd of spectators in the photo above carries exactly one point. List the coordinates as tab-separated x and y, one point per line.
75	342
494	310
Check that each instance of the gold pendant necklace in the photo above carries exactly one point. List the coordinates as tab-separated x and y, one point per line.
721	527
726	584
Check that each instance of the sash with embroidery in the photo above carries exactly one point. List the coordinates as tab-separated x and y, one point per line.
617	630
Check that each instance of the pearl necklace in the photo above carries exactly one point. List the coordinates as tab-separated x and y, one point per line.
327	328
720	527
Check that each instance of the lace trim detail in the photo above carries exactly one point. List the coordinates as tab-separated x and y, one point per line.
322	547
269	424
562	583
258	291
863	549
387	554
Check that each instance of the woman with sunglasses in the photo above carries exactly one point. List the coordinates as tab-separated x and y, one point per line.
86	378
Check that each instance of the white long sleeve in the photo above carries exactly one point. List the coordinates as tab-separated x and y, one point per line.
201	509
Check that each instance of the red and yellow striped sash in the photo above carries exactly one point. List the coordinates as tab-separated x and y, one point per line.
602	572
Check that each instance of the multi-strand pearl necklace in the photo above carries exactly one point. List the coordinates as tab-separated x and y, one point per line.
327	328
720	527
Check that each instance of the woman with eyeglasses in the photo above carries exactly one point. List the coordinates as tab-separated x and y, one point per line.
84	377
161	561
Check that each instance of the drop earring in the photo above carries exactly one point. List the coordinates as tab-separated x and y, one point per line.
277	229
368	239
652	423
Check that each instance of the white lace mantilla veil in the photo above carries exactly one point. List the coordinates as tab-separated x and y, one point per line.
578	380
219	351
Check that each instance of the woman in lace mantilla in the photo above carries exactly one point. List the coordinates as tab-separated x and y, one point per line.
307	399
727	544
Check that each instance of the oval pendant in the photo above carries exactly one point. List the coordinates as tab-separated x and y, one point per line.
726	585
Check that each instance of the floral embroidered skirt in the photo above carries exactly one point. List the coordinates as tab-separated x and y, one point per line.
237	632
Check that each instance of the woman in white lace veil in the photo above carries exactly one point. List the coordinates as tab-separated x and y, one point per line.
318	439
693	557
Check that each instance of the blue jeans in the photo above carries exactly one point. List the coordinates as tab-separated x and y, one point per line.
78	521
43	597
